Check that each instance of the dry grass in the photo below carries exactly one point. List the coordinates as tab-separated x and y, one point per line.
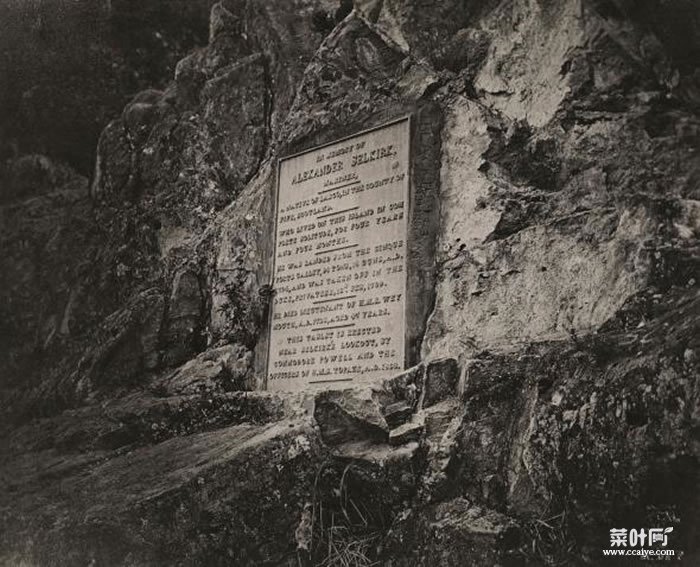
343	534
548	541
347	549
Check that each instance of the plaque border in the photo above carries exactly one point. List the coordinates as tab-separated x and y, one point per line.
408	118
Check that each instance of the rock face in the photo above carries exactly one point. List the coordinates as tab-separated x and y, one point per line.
554	391
131	501
453	533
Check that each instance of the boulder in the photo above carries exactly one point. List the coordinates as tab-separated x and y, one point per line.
349	415
221	369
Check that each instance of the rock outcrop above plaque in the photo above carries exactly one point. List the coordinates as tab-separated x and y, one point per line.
552	389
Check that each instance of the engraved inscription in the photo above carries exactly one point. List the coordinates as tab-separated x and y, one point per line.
338	314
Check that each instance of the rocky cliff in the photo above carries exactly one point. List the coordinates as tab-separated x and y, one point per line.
556	393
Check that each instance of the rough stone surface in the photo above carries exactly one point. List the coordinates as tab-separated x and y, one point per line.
184	317
441	378
221	369
452	533
438	418
212	486
593	415
145	418
349	415
397	413
409	431
237	309
556	182
407	386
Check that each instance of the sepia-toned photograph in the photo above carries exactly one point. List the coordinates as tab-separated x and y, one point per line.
349	283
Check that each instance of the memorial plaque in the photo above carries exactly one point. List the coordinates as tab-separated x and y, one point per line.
338	312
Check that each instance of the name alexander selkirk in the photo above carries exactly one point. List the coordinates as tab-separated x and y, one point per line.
337	166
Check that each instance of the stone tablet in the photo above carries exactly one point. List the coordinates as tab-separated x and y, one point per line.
338	314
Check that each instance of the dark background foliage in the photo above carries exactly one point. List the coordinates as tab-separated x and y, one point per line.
67	67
